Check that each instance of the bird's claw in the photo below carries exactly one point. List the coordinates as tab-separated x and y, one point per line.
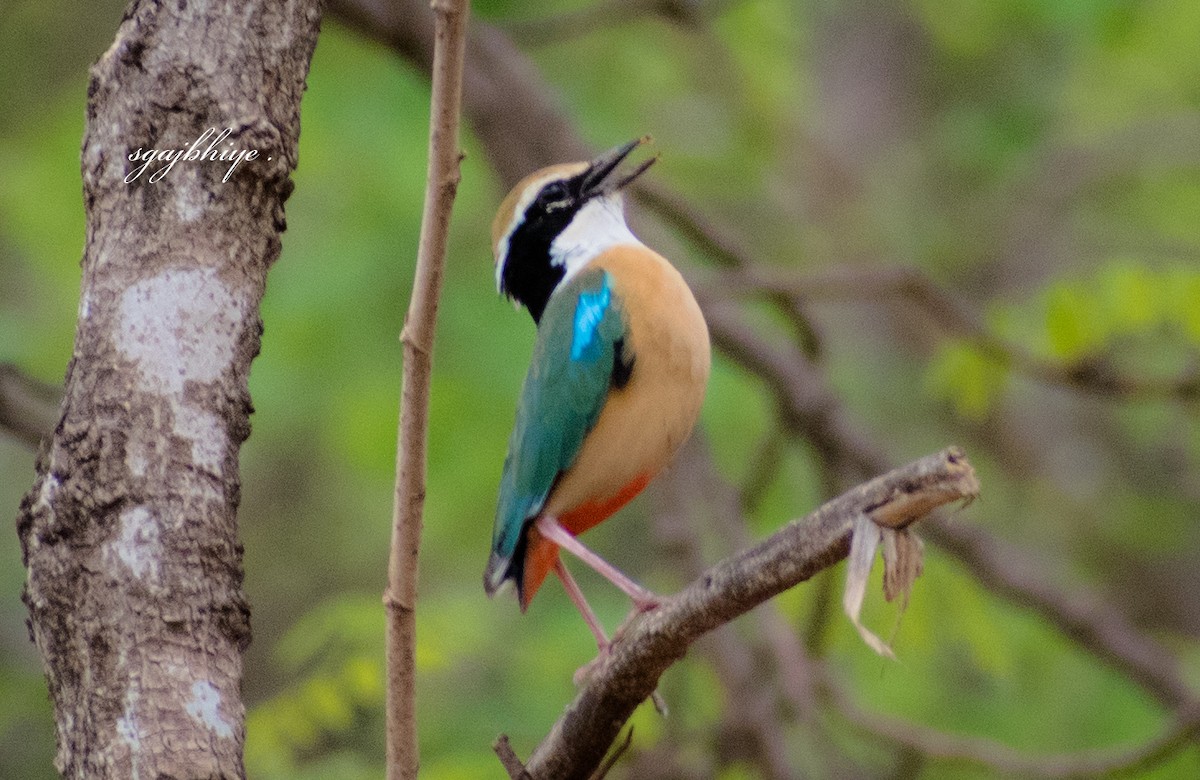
646	602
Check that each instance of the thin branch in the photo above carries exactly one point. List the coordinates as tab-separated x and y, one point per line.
722	246
604	14
613	756
765	464
508	759
1007	762
651	642
1093	375
1083	616
417	338
504	97
28	408
807	404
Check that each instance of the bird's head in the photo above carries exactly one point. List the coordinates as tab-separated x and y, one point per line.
556	220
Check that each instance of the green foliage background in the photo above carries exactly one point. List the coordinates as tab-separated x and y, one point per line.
1046	169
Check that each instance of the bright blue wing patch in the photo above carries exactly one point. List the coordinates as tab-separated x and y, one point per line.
589	313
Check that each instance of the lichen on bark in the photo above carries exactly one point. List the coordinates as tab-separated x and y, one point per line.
129	532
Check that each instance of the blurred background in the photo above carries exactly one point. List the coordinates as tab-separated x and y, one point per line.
1030	169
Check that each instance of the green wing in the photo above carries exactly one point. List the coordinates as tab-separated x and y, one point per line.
579	343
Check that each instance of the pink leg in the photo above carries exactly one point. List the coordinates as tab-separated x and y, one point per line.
581	604
550	528
572	588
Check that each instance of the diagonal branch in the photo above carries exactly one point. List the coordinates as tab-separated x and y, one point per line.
1007	762
1079	614
797	679
1093	375
810	409
652	642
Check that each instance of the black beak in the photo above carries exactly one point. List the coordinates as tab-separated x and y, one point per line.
596	179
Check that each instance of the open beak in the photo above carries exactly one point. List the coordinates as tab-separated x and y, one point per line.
597	179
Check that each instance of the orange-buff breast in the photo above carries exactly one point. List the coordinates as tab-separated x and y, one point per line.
540	553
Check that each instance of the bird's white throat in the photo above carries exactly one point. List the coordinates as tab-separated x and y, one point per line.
598	227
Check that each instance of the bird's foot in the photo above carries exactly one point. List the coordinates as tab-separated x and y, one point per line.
644	600
639	609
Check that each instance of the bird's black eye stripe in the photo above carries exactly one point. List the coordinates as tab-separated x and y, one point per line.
530	273
554	196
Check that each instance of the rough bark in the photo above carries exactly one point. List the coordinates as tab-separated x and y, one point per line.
129	532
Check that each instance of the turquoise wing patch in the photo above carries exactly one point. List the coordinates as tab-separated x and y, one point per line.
589	314
564	391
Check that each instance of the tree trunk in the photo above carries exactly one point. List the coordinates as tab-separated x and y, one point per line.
129	533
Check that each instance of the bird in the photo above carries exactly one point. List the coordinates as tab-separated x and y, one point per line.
616	381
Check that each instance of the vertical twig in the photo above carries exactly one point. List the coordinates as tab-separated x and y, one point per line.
417	338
